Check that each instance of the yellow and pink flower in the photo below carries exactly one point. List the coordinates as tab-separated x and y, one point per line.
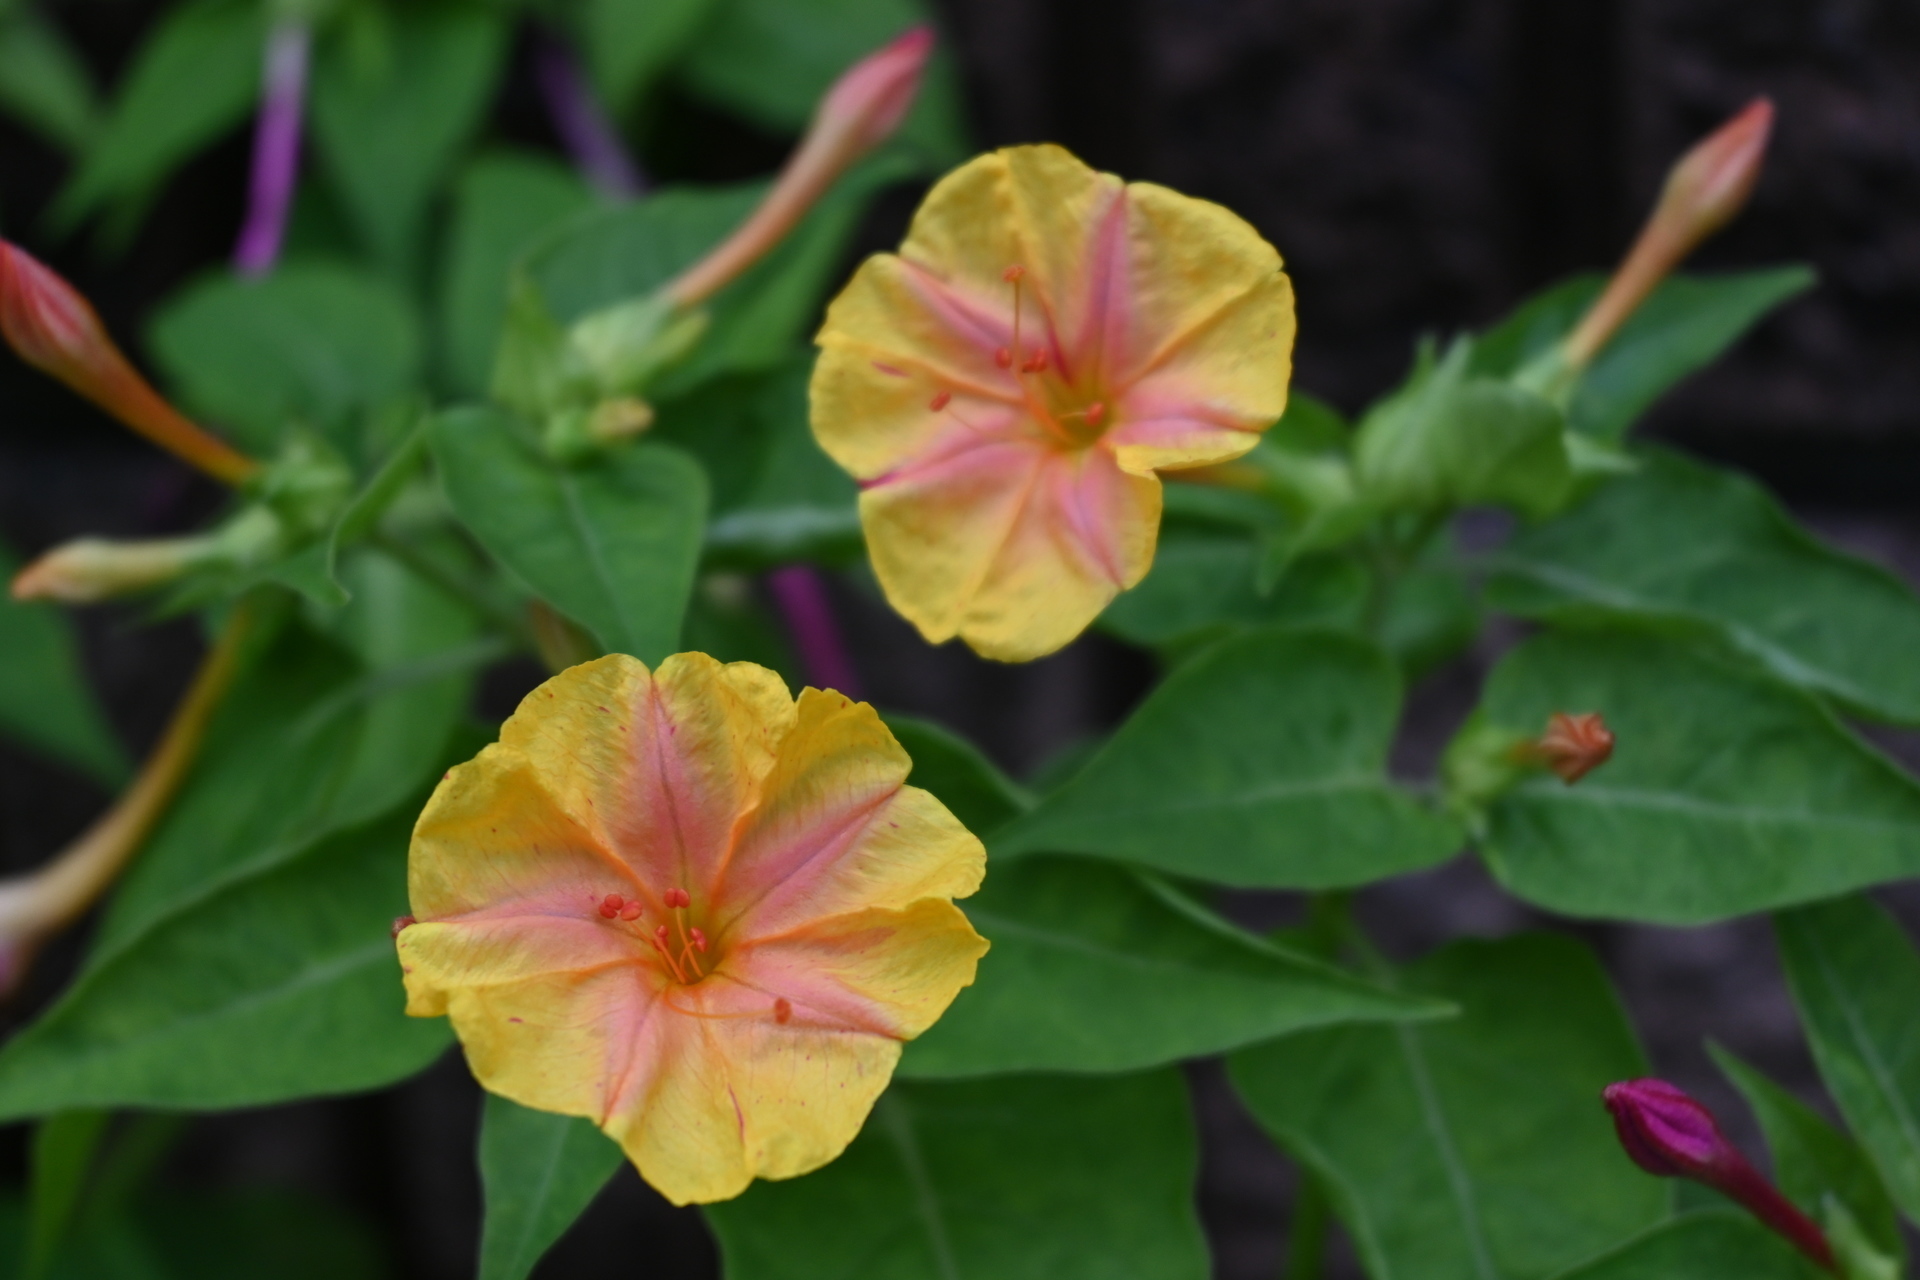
1009	387
693	909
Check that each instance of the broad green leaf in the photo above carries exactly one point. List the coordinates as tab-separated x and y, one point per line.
1688	323
195	77
44	699
43	80
1812	1160
958	774
314	344
1684	546
281	986
771	60
628	251
1020	1178
1260	762
1696	1246
1098	968
1474	1148
1728	792
503	203
65	1147
392	108
540	1171
1855	979
612	544
629	45
1202	587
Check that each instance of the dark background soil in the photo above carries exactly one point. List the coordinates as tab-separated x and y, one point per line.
1422	164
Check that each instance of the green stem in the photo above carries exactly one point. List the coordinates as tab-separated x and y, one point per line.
1307	1234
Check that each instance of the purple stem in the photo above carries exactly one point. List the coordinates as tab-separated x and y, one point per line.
802	596
276	148
582	123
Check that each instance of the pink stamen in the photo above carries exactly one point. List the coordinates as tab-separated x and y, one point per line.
677	898
630	912
940	400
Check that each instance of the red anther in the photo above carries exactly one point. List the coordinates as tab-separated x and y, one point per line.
608	910
1035	363
661	933
1574	745
783	1011
940	400
615	901
401	922
677	898
1003	358
1096	411
1013	273
630	912
699	940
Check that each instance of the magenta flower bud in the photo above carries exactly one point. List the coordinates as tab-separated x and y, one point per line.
1670	1135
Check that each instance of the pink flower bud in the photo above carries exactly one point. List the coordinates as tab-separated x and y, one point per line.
858	113
1670	1135
55	330
1573	745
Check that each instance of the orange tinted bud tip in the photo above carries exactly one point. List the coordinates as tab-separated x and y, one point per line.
874	94
1712	182
1573	745
401	922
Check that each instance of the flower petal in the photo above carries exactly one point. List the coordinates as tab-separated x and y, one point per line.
837	831
657	765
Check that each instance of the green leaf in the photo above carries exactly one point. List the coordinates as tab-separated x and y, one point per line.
540	1171
502	206
65	1145
1812	1160
1473	1148
1202	587
1688	323
1728	792
1697	1245
193	79
44	82
958	774
629	45
44	699
392	108
281	986
1855	979
1012	1179
613	544
1687	547
771	60
1261	762
1097	968
315	344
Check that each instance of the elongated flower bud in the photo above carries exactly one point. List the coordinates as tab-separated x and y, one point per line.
858	113
1667	1133
1704	190
54	329
1573	745
92	569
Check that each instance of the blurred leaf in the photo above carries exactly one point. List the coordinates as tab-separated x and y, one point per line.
1097	968
1856	981
771	60
44	699
503	203
1688	547
65	1145
958	774
1812	1160
540	1172
195	77
315	343
1688	323
279	986
1475	1147
390	116
1261	762
1202	587
1450	439
1023	1178
1715	1242
44	82
628	45
612	544
1728	792
245	1235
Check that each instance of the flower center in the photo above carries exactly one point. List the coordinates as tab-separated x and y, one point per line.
681	946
